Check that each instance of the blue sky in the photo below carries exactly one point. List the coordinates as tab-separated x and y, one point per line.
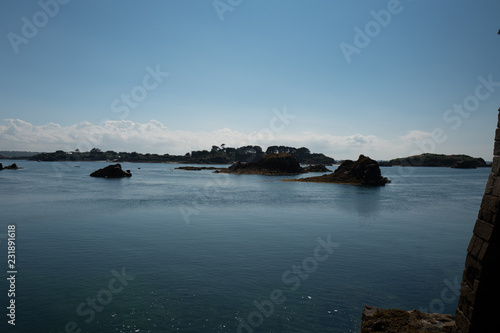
232	68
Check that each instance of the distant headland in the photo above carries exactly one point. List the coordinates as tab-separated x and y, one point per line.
217	155
229	155
438	160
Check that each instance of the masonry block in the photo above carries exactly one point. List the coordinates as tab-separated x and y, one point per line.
490	203
497	134
496	165
462	322
468	293
496	148
491	182
486	215
483	229
482	252
472	270
475	245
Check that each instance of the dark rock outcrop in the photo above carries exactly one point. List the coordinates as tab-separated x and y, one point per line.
364	171
398	321
13	166
1	166
438	160
111	171
269	164
316	168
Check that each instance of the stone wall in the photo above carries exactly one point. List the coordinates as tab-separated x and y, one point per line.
478	304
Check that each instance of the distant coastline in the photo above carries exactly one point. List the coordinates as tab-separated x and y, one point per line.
438	160
217	155
227	155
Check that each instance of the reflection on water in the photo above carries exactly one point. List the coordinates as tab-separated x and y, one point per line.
398	243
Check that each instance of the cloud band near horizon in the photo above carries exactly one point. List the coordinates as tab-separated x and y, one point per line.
155	137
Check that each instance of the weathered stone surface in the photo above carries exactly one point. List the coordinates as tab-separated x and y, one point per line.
475	245
468	293
398	321
495	167
364	171
483	229
111	171
496	148
490	203
462	322
486	215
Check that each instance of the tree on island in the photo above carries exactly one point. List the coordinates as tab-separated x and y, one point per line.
217	155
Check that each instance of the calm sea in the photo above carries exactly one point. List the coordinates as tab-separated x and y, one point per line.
192	251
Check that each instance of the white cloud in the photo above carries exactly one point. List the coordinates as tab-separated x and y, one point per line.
155	137
415	135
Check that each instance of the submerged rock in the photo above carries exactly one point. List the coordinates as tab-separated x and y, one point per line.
269	164
398	321
111	171
364	171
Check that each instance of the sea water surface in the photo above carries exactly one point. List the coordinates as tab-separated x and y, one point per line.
193	251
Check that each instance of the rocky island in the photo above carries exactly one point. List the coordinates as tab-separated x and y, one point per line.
13	166
275	164
111	171
364	171
439	160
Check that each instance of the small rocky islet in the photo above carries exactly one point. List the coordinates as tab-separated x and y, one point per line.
277	164
13	166
111	171
364	171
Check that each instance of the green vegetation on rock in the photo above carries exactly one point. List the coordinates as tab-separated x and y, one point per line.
217	155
